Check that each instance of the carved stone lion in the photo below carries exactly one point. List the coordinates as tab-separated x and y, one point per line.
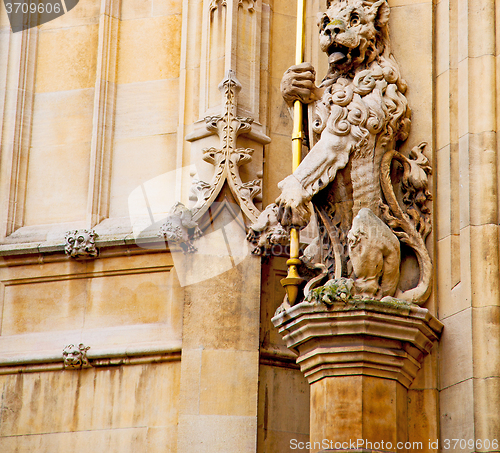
179	228
267	231
359	116
80	244
75	358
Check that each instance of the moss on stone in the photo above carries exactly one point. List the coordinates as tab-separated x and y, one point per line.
342	290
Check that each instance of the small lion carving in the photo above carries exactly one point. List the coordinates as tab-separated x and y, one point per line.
179	228
80	244
359	117
75	358
267	231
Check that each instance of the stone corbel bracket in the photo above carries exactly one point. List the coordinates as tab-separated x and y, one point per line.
75	358
387	340
227	158
80	244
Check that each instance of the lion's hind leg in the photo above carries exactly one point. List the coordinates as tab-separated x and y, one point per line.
375	255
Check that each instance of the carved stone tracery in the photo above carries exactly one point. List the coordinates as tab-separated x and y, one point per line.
248	4
227	158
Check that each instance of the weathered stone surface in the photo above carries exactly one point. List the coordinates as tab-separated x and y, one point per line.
81	244
71	397
386	340
98	102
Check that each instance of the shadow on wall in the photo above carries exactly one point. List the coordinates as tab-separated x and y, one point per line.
24	14
161	222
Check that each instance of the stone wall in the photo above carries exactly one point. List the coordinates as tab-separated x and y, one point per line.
102	120
466	82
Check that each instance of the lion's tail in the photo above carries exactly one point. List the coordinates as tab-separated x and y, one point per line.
403	227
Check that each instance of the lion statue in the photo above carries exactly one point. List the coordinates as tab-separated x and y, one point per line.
358	118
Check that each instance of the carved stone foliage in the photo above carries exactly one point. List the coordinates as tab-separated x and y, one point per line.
248	4
180	229
80	244
75	358
227	158
367	195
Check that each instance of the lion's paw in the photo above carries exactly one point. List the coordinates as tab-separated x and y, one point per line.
293	204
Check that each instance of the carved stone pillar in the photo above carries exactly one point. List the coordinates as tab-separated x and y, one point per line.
359	357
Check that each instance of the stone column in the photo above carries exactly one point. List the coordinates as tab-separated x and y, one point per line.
219	134
467	207
359	357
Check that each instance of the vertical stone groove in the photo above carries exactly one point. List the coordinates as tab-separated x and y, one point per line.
103	116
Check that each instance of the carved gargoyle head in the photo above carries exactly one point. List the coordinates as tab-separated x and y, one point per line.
353	32
180	228
81	244
76	357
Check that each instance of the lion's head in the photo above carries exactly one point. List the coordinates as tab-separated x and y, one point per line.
76	357
353	32
364	88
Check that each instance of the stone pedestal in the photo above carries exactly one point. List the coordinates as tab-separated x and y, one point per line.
359	357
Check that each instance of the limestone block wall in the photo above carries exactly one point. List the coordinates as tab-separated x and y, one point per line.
128	310
111	408
95	109
466	81
283	390
88	111
101	101
93	82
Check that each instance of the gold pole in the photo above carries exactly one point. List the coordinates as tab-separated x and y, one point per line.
293	280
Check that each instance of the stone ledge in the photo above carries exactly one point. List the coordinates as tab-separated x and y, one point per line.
111	345
387	340
50	239
126	240
279	357
119	360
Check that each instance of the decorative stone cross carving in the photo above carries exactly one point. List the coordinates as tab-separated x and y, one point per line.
227	158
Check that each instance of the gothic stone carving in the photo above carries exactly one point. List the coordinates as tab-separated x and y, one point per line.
75	358
249	4
386	339
180	228
227	158
81	244
267	231
359	118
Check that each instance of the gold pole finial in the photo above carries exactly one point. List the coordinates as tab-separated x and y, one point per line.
293	280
